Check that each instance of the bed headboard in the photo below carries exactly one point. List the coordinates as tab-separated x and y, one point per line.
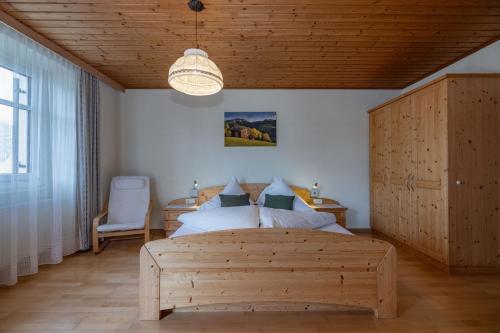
253	188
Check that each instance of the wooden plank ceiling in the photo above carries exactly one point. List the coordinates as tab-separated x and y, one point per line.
268	43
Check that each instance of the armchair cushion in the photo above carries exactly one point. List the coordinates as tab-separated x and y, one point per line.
128	201
120	226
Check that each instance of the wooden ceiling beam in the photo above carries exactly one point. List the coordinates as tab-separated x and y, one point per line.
15	24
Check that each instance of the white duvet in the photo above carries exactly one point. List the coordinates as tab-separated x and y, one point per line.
281	218
222	218
252	216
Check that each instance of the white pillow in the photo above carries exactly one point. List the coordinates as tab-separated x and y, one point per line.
222	218
232	188
300	205
282	218
279	187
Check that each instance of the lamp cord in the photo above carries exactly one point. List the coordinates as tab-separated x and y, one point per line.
196	28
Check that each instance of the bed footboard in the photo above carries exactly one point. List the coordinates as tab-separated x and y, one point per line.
267	266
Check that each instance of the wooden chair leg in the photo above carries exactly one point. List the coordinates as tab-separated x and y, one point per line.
100	246
95	242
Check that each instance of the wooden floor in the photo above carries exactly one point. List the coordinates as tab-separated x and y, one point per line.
88	293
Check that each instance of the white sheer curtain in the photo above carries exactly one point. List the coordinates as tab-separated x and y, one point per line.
38	203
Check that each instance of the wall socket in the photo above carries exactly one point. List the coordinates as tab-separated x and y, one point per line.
190	201
317	201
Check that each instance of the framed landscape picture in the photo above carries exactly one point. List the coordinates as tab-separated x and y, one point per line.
250	129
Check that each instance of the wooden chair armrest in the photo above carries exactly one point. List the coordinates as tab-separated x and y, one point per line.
150	208
148	214
98	218
96	247
147	219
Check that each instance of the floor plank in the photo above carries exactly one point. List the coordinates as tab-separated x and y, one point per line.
92	294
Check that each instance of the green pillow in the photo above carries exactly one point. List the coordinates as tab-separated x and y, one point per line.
279	201
227	200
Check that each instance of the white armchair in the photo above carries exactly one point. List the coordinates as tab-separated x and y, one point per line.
128	211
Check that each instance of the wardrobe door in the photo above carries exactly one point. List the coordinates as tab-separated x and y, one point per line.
474	155
402	168
379	169
429	180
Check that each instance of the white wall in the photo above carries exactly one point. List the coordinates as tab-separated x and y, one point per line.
486	60
110	139
322	136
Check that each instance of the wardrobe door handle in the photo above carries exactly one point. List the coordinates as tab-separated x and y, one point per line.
413	181
408	182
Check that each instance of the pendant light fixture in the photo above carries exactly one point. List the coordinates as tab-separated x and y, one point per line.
195	74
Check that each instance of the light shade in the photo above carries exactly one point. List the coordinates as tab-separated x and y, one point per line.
195	74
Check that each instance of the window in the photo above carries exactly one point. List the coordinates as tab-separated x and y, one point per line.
14	122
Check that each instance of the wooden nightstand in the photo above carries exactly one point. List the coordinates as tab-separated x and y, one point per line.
338	210
171	212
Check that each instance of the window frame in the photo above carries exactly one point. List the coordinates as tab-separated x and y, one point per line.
16	106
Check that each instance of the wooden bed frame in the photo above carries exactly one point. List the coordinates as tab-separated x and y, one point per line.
267	269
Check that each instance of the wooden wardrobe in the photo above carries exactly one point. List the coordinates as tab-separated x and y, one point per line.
435	171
